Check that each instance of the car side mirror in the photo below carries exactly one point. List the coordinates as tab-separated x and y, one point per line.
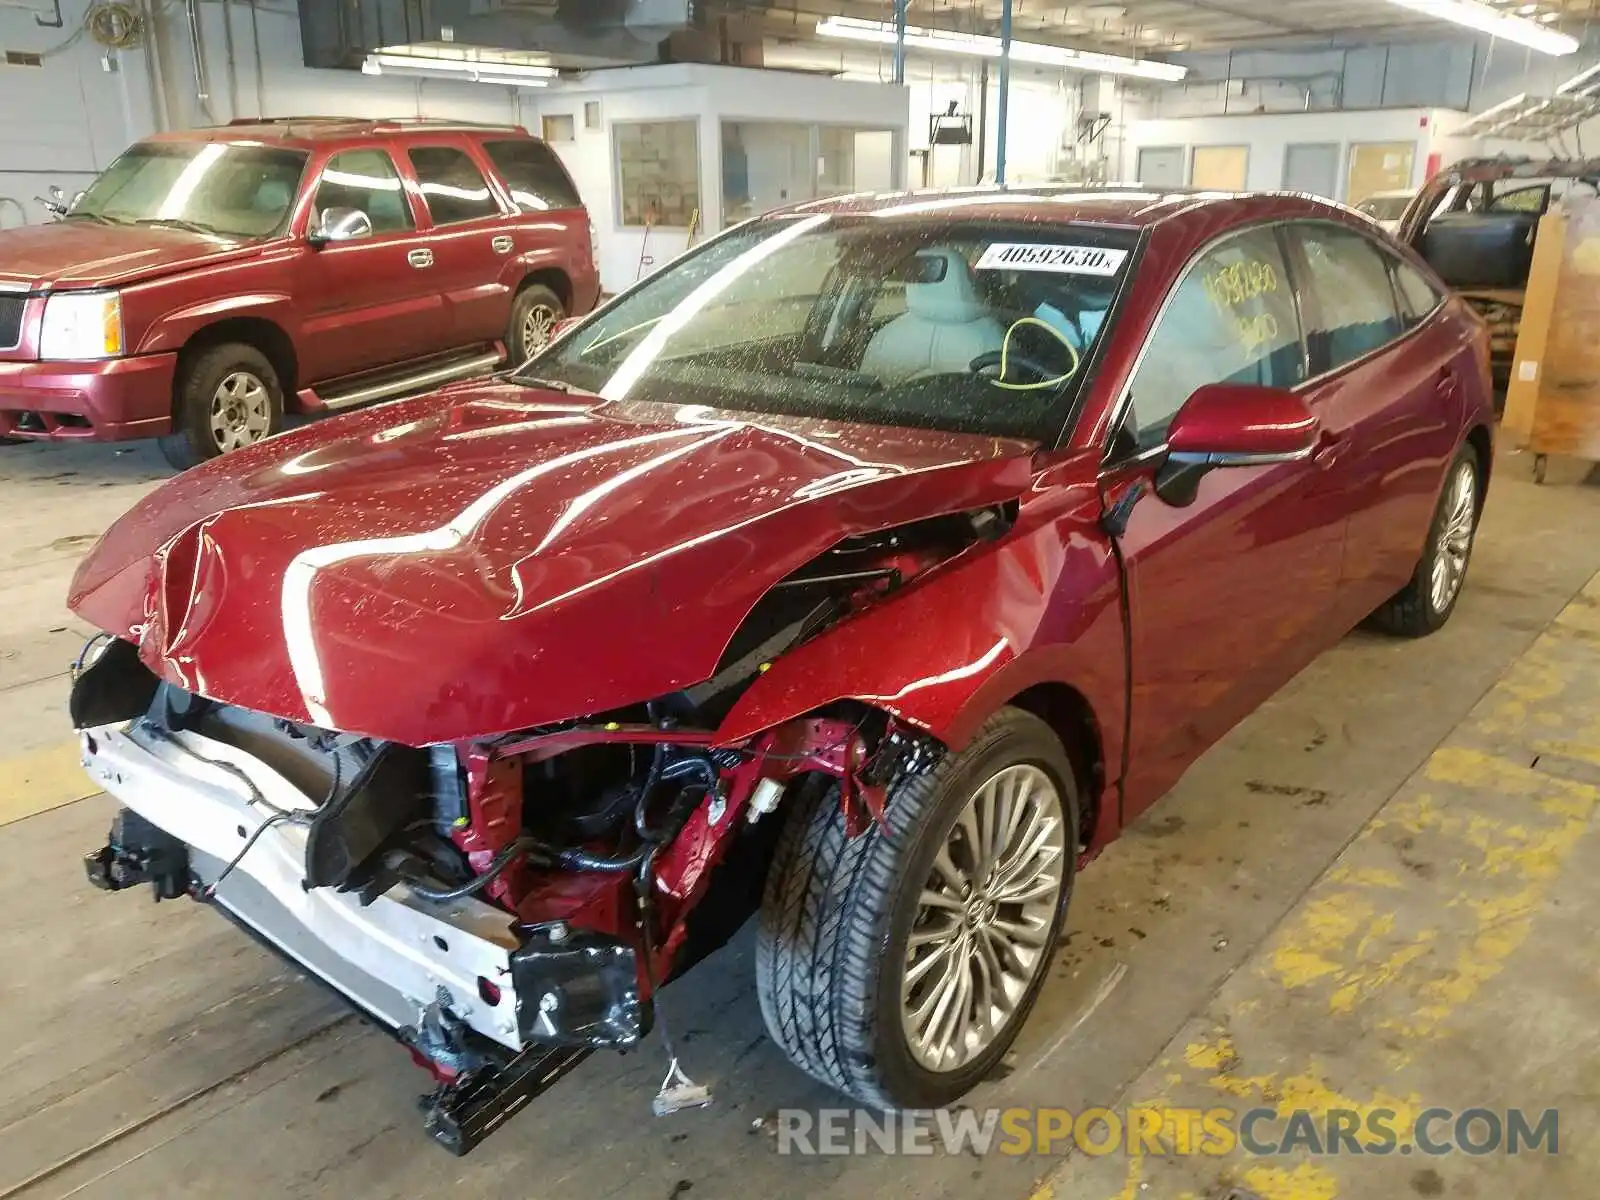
340	225
1232	425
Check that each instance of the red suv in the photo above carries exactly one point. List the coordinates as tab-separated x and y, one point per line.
210	281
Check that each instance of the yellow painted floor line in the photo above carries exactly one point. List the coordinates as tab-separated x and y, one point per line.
45	779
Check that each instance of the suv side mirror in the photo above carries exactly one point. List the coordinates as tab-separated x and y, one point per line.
1232	425
340	225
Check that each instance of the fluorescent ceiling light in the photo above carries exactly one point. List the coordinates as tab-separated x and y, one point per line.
1484	19
941	41
475	70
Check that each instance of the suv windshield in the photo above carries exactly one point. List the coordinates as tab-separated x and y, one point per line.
968	326
212	187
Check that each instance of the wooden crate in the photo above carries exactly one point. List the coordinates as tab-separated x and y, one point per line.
1553	405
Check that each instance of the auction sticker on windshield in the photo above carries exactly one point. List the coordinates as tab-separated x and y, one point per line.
1068	260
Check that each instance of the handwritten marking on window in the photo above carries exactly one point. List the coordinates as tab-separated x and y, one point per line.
1232	286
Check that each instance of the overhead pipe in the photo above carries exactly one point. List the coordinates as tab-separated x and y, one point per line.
255	42
1003	114
233	63
900	7
202	88
983	117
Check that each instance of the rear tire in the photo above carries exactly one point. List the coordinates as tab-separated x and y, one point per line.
846	922
1425	604
534	316
228	397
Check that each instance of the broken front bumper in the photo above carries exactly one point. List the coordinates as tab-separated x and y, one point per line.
396	957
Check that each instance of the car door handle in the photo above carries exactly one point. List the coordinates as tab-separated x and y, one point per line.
1328	449
420	258
1446	383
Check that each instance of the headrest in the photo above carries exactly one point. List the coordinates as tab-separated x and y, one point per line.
273	195
949	297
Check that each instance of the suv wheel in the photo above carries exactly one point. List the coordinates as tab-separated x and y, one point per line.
228	397
534	316
898	966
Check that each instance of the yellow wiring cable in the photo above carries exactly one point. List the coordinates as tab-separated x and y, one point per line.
1005	358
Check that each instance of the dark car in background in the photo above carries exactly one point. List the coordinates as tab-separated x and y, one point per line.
211	281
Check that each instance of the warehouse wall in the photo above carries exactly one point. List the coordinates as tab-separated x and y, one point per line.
66	119
1269	135
1463	73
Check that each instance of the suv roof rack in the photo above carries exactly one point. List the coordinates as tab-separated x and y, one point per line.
378	124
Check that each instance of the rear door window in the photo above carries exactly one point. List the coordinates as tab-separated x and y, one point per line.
365	180
533	174
1231	320
1418	297
452	186
1355	311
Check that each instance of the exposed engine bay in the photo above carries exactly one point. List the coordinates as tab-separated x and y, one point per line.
507	905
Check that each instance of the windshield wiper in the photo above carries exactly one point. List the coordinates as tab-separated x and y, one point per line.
90	216
553	385
180	223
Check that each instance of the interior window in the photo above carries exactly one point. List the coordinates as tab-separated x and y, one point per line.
1522	200
1231	320
452	187
1418	297
1355	300
365	180
533	174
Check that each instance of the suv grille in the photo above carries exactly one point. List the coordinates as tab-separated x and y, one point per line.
11	309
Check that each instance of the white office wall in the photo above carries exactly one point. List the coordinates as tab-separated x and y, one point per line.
707	95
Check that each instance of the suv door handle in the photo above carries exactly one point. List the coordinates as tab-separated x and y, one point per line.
420	258
1329	447
1446	384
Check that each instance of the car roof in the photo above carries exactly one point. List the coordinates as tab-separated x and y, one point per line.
312	130
1117	205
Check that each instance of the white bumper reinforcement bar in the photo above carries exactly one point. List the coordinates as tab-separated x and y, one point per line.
391	958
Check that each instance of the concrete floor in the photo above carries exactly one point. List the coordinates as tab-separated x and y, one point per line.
1365	895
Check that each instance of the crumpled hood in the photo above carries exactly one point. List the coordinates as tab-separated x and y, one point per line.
488	558
82	254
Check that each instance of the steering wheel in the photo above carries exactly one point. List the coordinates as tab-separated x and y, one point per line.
1004	359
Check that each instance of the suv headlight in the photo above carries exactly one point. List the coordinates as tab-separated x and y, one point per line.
79	325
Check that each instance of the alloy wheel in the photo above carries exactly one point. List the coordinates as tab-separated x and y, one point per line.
241	411
537	326
1454	546
984	918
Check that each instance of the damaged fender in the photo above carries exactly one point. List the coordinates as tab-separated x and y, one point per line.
971	638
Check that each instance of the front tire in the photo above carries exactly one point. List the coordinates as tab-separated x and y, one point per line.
1425	604
228	397
898	966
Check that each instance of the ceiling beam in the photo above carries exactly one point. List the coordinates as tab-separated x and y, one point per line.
1210	6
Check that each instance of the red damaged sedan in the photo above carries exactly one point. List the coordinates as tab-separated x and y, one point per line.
870	567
